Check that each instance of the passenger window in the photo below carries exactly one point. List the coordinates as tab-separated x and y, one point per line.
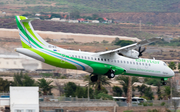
146	64
136	63
111	60
143	64
88	57
121	61
101	59
149	64
130	62
115	61
82	57
118	61
108	59
72	55
127	62
78	56
91	58
139	63
124	61
75	56
104	59
94	58
98	59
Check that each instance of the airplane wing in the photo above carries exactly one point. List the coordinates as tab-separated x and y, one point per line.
132	46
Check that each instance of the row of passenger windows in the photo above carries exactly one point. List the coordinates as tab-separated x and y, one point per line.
111	60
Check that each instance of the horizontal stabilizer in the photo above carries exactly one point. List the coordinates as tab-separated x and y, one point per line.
29	19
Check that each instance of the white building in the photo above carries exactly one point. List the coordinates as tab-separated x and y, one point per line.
18	62
55	19
95	21
4	102
24	99
73	21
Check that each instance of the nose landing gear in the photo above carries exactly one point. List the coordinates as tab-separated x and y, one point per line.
111	75
163	82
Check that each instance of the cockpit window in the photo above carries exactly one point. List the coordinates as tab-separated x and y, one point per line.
165	64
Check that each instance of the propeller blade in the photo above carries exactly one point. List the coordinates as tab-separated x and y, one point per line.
140	52
143	50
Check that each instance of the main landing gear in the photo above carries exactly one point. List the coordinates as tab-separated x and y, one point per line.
163	82
94	78
110	74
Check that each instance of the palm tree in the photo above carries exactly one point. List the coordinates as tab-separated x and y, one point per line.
21	79
4	85
124	80
45	86
102	80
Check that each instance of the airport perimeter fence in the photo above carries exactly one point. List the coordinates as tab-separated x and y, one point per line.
4	94
50	98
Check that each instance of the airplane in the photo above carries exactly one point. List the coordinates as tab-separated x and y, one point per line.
121	61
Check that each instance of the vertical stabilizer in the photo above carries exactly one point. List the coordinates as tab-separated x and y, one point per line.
29	38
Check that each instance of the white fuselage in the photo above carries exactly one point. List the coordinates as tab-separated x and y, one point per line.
144	67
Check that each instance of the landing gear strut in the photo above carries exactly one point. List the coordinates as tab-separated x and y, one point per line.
163	82
94	78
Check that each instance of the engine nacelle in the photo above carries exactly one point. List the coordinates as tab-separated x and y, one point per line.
130	53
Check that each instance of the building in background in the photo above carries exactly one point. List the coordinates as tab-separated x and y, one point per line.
24	99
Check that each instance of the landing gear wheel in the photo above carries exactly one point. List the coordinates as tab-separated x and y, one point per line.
94	78
163	82
111	75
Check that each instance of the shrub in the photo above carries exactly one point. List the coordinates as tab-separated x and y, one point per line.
128	111
154	110
163	103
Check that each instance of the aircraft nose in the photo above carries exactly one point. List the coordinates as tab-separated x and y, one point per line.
171	73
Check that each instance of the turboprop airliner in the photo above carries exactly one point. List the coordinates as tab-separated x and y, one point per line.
125	60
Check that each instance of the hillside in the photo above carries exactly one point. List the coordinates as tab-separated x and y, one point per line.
91	6
66	27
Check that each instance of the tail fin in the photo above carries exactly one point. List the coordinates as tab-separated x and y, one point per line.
29	38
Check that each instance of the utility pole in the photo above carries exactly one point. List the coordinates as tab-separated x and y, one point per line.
171	88
88	88
139	25
69	16
129	91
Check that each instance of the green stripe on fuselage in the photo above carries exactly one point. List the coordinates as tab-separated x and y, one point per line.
54	61
98	68
141	75
25	45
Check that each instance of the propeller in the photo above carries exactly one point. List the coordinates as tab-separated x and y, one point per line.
141	51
